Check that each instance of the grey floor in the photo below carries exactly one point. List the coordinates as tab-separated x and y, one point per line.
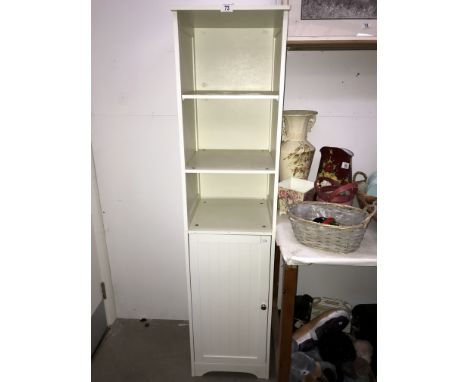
151	351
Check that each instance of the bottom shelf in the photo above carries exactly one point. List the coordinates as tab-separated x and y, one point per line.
232	216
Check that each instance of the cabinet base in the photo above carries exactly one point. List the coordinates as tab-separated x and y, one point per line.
260	371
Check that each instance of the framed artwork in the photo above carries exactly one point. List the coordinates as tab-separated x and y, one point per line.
338	9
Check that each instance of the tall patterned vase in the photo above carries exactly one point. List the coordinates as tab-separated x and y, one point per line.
296	153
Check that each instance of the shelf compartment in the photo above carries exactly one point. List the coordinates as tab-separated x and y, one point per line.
231	161
233	216
237	124
238	51
269	95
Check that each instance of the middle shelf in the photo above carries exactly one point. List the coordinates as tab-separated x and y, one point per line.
231	161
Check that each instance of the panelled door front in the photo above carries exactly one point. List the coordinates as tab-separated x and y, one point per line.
229	282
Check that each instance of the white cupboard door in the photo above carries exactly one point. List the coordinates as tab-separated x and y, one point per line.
229	281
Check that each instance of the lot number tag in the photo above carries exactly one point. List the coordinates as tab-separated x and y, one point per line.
227	7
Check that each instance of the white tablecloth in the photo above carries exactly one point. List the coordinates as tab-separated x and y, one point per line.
295	253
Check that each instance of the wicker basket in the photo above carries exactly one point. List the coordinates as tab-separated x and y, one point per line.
365	201
344	238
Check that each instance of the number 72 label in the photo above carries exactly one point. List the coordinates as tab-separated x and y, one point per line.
227	7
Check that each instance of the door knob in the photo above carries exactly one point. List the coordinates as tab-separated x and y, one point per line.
263	307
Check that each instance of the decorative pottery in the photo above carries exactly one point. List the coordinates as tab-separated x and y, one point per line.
293	190
336	164
296	152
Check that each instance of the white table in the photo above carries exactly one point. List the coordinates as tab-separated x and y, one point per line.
294	254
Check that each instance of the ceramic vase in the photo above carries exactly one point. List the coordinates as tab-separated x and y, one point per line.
296	152
293	190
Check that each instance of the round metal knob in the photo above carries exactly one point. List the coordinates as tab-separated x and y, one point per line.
263	307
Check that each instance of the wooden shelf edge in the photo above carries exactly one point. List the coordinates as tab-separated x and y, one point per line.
367	44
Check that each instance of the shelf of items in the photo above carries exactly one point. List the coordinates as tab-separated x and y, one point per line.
232	216
231	161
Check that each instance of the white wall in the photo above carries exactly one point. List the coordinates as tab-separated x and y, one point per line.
135	142
135	146
342	87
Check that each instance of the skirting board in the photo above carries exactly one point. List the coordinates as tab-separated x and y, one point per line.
261	371
98	326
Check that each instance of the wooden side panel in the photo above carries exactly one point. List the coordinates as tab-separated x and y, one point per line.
286	323
229	280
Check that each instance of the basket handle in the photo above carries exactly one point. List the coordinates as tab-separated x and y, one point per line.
360	173
346	187
369	217
332	193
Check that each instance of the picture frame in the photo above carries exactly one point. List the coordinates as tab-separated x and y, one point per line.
302	31
338	9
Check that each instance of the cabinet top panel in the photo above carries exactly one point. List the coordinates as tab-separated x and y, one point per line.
238	18
233	7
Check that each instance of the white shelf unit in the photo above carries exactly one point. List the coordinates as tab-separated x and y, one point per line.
230	77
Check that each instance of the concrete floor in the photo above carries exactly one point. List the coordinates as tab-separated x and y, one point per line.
151	351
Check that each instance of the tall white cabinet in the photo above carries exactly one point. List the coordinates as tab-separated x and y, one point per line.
230	78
